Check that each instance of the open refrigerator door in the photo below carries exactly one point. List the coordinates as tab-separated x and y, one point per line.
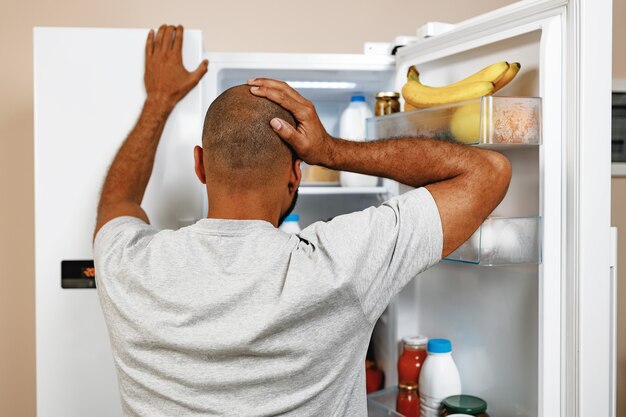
501	297
503	321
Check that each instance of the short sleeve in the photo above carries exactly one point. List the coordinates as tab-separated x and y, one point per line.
116	240
379	250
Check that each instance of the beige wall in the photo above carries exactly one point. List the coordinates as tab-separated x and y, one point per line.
283	26
618	209
619	39
279	26
618	213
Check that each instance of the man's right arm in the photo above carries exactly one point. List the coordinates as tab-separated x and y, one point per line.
466	183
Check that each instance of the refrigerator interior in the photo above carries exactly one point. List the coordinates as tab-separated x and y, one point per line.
329	81
490	314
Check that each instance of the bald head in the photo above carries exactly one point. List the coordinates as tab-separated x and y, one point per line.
239	143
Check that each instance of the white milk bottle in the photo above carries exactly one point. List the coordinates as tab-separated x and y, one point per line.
439	377
291	224
352	127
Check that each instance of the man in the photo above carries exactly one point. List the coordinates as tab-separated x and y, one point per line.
231	316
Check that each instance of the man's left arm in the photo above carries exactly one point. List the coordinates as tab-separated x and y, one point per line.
167	82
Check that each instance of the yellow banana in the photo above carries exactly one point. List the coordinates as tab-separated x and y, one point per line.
508	75
493	73
422	96
409	107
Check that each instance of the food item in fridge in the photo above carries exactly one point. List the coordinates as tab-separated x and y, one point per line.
419	96
352	127
374	377
494	73
508	75
412	358
465	123
439	378
291	224
514	121
386	103
466	405
409	107
408	401
422	96
318	174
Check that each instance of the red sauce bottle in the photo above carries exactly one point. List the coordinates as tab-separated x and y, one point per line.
411	360
408	402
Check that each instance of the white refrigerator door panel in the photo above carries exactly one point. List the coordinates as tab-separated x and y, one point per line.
505	322
88	94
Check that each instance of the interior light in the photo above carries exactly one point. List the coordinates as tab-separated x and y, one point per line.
338	85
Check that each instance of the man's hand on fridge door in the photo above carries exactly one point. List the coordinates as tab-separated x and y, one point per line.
166	79
309	139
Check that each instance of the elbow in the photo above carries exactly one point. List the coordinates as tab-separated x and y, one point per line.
500	172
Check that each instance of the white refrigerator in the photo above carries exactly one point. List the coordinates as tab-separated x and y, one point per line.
532	339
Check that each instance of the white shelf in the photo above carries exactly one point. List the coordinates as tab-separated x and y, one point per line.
334	190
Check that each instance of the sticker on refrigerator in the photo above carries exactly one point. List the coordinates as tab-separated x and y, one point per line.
78	274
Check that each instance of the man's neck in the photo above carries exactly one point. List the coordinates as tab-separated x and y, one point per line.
233	205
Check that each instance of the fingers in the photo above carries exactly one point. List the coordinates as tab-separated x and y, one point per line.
159	38
178	38
279	85
287	132
168	38
200	71
150	43
302	112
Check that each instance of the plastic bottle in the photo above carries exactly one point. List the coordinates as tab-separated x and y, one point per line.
352	127
291	224
439	377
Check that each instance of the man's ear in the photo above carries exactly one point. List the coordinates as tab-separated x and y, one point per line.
198	155
296	175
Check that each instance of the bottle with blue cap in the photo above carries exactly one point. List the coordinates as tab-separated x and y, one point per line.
352	126
291	224
439	378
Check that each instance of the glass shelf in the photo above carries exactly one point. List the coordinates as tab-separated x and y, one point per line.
338	190
383	403
502	241
487	121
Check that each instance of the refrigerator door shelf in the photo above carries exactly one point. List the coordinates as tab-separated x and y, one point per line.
502	241
383	402
485	121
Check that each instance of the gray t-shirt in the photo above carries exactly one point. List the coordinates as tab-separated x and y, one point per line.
237	318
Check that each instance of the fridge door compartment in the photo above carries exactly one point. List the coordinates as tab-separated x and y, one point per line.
383	402
483	121
502	241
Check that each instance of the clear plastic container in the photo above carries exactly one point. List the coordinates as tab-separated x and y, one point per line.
383	401
502	241
483	121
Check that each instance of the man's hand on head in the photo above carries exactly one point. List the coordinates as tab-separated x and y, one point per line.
309	139
166	79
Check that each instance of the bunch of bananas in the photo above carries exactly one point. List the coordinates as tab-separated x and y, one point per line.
483	83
